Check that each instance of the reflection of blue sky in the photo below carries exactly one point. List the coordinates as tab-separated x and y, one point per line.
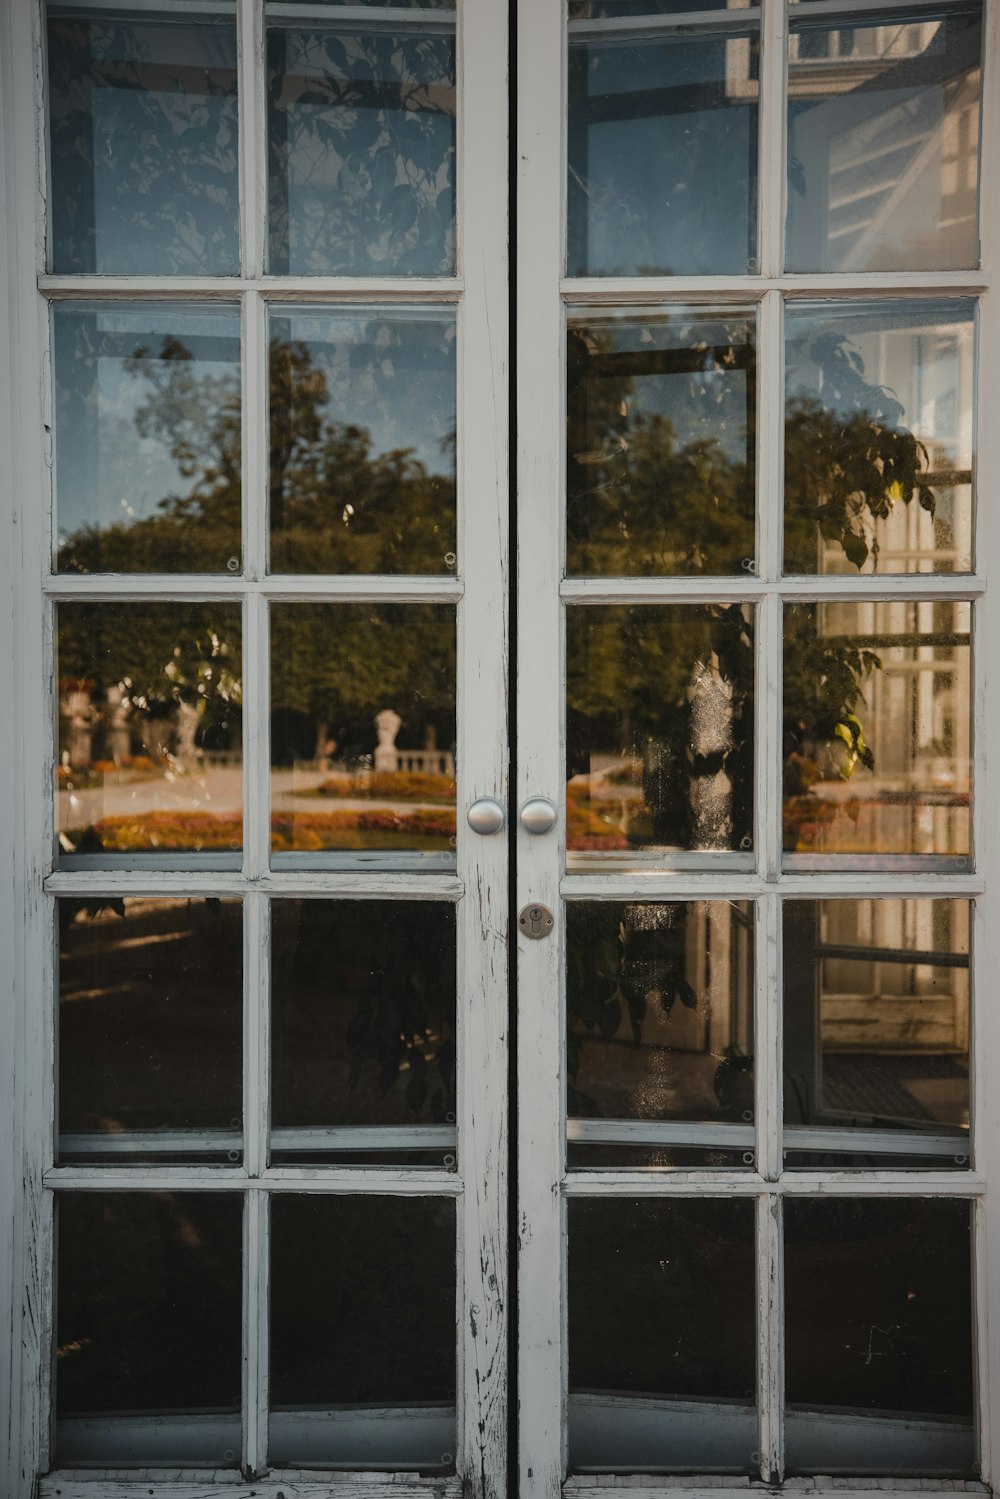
662	160
390	372
106	473
710	403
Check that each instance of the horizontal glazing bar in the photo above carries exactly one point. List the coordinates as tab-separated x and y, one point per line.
705	1486
587	290
659	1132
338	288
831	588
657	1182
218	1141
135	8
392	1181
363	884
356	587
636	885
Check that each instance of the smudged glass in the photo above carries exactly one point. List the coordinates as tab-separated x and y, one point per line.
148	1355
149	752
143	140
662	1335
878	1322
361	147
876	1031
363	1029
659	731
362	440
363	1368
661	438
147	437
659	1030
878	734
662	168
879	450
883	141
363	733
150	1028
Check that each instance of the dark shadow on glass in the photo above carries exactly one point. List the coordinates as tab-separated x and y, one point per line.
662	1336
659	728
363	1364
659	1016
883	141
150	1029
363	729
148	437
661	435
149	727
879	437
878	1356
143	143
362	440
877	733
362	1022
662	171
876	1031
148	1354
361	149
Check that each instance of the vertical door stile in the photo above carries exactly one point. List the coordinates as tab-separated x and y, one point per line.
482	746
986	750
540	422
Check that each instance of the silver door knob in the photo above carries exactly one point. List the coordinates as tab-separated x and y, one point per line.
486	815
538	815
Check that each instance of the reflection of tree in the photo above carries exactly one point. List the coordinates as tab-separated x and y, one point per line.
362	144
848	460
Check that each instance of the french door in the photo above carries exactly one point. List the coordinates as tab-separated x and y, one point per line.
289	950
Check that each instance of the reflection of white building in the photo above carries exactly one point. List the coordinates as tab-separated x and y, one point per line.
883	145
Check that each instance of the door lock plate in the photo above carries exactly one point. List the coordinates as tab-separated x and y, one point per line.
536	921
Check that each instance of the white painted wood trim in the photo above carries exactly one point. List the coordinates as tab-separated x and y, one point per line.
643	290
280	288
540	467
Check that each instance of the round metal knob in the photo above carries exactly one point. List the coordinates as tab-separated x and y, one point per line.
538	815
486	816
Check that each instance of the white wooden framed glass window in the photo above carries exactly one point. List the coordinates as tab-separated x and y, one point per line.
166	176
708	193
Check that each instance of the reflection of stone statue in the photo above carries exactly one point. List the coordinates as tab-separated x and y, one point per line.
187	727
711	700
80	715
387	726
119	733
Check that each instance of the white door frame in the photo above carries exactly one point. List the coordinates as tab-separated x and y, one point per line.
30	879
544	295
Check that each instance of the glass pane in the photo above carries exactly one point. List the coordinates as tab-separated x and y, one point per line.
659	730
362	1028
662	176
883	143
659	1017
143	143
362	440
876	1032
363	730
878	437
877	731
596	10
661	432
662	1335
148	443
150	1028
363	1331
878	1357
150	753
361	148
148	1354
